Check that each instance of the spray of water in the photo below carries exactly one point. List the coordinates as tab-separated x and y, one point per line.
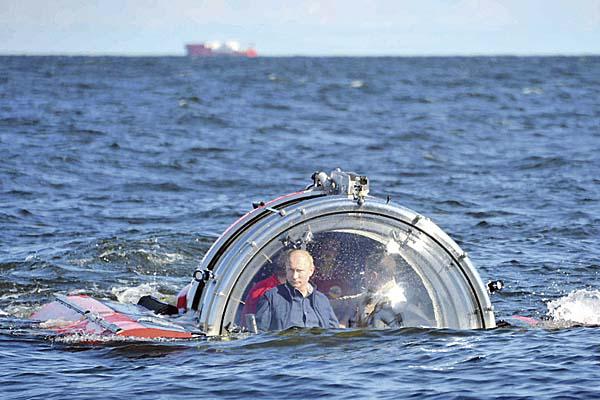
131	295
580	306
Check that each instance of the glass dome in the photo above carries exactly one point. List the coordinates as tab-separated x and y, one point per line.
380	265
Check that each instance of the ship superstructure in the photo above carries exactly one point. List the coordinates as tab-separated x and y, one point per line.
215	48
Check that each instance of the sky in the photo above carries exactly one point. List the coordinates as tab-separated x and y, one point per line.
312	28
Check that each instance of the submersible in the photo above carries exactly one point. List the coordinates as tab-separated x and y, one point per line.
347	231
380	265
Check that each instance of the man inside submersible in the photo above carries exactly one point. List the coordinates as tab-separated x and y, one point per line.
295	303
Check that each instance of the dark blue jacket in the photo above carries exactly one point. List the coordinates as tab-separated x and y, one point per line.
274	311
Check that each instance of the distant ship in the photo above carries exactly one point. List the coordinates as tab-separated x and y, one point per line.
211	49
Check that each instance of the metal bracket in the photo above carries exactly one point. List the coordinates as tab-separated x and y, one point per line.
300	243
203	275
341	182
258	204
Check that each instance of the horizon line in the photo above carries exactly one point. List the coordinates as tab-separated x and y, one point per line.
307	55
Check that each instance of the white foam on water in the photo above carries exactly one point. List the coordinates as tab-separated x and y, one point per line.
99	338
96	338
532	90
131	295
19	310
161	258
152	256
580	306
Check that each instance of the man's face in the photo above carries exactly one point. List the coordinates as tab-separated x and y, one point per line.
299	270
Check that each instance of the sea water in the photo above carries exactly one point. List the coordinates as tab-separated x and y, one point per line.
117	174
